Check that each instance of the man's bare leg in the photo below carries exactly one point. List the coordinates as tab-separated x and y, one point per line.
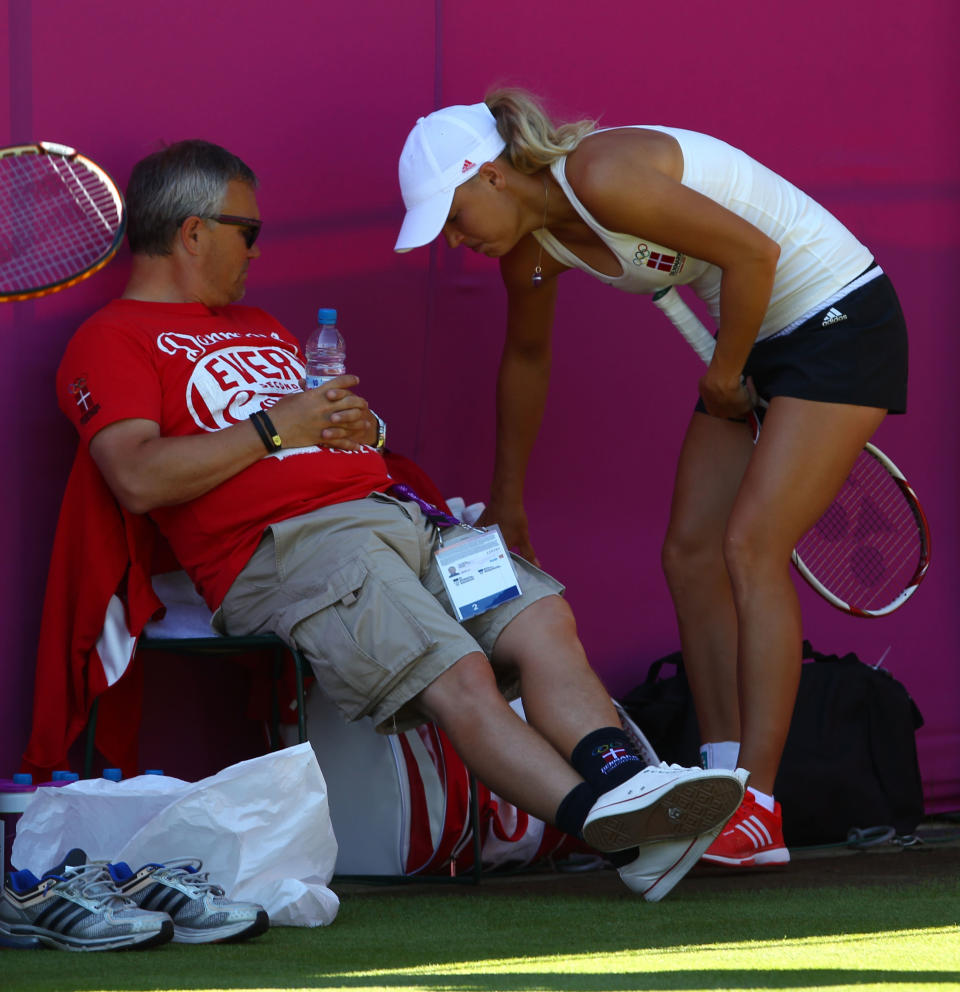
505	753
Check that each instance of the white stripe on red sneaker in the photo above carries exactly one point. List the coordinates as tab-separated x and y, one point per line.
756	831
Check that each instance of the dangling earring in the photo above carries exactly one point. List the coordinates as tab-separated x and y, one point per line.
537	276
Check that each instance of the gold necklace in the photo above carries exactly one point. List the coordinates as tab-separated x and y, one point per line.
537	276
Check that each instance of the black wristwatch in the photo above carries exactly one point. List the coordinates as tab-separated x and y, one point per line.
381	434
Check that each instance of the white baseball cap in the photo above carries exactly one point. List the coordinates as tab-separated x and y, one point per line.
443	150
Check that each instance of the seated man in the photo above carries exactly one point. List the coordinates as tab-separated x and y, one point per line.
275	500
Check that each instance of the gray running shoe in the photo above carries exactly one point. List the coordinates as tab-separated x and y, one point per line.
75	907
200	910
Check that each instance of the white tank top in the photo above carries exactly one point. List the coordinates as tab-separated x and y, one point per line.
818	255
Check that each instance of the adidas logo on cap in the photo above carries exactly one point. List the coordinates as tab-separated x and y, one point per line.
833	316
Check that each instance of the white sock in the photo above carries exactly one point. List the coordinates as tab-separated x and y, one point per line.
720	754
762	798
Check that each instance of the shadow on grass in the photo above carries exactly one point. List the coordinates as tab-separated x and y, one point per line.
379	937
789	978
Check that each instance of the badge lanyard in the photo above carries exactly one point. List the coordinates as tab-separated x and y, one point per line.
476	568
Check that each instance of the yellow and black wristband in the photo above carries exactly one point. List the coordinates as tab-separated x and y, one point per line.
266	430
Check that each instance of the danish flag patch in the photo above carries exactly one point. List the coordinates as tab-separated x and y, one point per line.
85	402
467	166
613	754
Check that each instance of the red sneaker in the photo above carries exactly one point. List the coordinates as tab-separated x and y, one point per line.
753	836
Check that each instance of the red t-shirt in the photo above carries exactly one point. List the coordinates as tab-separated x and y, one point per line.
192	369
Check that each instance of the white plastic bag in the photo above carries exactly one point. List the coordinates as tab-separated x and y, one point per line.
261	827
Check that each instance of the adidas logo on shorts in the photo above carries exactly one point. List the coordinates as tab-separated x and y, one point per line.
832	316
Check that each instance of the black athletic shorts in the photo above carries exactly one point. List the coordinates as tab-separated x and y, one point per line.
852	351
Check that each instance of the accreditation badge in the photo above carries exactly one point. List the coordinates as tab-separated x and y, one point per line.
477	572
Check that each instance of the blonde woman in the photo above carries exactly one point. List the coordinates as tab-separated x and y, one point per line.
805	319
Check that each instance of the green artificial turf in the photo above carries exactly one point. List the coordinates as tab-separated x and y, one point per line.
466	939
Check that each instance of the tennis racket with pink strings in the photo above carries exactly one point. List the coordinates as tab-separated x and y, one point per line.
870	550
62	218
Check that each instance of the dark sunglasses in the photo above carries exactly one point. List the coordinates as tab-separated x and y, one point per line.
251	226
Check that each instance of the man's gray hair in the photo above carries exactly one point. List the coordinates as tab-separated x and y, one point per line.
186	179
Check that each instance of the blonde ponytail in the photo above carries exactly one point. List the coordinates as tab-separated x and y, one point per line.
533	142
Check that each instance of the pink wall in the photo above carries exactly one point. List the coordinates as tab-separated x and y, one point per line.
318	99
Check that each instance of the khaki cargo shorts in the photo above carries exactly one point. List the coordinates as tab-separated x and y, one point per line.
356	588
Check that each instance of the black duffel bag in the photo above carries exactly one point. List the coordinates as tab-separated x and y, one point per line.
850	760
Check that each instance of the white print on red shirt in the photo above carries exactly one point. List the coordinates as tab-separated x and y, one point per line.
196	345
229	384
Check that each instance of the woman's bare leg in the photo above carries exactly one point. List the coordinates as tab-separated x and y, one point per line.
712	462
805	453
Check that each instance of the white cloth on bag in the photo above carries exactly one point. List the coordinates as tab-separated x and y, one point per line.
261	827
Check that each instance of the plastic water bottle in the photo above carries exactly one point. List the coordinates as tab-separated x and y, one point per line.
326	352
16	794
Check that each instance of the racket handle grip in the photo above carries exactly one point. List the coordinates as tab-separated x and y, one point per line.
686	322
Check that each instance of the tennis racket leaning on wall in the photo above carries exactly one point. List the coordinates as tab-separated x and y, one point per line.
870	550
62	218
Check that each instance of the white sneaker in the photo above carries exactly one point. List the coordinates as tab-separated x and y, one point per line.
663	802
658	867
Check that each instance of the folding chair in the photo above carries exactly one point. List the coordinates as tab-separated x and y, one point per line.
186	630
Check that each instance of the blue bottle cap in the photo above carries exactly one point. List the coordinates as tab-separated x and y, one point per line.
325	315
114	774
153	771
59	776
22	778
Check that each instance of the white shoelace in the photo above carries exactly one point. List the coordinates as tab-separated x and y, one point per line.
92	881
188	871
